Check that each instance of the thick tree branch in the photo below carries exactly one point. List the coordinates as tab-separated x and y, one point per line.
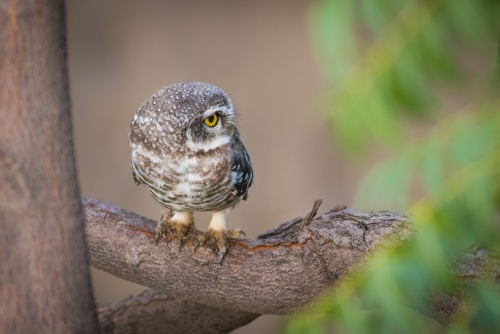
155	312
279	272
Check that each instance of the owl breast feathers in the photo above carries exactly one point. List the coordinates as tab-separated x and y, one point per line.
187	149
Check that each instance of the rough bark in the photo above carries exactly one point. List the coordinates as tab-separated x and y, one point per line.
154	312
277	273
281	271
44	275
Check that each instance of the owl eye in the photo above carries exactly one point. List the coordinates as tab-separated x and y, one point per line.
211	120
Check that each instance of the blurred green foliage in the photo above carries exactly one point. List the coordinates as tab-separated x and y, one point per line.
389	67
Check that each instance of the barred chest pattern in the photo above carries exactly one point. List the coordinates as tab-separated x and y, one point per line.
189	181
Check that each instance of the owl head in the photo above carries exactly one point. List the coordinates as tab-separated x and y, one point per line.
187	116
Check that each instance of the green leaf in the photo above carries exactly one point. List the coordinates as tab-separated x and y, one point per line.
436	52
332	26
387	186
373	14
487	315
409	84
470	19
433	167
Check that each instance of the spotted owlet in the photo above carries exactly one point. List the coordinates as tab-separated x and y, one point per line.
187	150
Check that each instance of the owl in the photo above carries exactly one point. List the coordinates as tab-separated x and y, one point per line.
187	150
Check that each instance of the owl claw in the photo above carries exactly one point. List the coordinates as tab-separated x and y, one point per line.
221	238
160	232
236	233
221	258
168	224
196	246
180	243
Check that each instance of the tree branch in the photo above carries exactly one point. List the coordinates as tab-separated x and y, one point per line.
281	271
155	312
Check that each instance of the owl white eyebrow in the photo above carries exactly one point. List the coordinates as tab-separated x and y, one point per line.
210	145
213	110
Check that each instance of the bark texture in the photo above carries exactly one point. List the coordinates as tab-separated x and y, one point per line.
44	275
281	271
277	273
155	312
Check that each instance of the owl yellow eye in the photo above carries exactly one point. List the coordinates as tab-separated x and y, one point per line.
211	120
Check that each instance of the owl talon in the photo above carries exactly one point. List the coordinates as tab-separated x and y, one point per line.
161	230
221	258
196	246
179	223
180	243
242	233
236	233
221	238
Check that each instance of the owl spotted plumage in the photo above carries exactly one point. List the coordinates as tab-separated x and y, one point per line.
187	150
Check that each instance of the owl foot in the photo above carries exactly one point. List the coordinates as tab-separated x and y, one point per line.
221	237
179	223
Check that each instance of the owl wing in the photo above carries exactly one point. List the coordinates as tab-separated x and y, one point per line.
137	180
241	167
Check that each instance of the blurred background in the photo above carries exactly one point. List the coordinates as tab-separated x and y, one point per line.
377	105
259	52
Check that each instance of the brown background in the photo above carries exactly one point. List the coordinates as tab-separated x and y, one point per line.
259	52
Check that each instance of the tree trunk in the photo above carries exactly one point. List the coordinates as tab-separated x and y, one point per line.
44	275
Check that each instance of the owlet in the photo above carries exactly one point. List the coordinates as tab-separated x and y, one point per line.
187	150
